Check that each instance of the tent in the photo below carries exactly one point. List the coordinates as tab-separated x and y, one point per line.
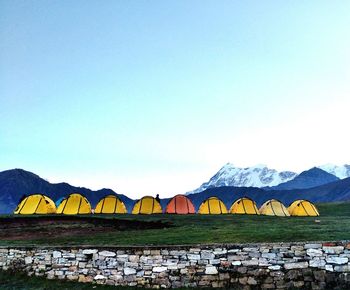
244	205
147	205
58	201
110	204
274	207
180	204
303	208
36	204
74	203
212	205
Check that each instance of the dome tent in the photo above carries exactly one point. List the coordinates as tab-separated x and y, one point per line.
274	207
180	204
36	204
58	201
303	208
147	205
212	205
110	204
75	203
244	205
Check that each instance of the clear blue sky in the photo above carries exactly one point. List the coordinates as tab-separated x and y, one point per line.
153	97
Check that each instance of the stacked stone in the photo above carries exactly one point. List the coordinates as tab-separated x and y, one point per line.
257	266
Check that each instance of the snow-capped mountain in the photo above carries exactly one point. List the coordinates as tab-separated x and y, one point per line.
256	176
342	171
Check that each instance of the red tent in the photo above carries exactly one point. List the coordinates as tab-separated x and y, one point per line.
180	204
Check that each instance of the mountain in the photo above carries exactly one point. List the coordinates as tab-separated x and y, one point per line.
257	176
307	179
331	192
17	182
341	172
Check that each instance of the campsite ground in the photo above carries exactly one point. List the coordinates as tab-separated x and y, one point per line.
104	230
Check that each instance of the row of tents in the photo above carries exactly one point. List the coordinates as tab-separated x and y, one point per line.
76	203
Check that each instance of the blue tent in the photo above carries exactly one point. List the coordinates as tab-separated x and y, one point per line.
58	201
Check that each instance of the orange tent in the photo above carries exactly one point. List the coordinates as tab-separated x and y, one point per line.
180	204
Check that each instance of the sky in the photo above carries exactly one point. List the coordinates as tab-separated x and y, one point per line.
148	97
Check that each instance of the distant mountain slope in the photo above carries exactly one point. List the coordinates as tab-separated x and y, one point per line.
17	182
257	176
341	172
331	192
307	179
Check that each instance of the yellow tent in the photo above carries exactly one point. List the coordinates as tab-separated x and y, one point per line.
244	205
303	208
74	203
274	207
36	204
147	205
110	204
212	205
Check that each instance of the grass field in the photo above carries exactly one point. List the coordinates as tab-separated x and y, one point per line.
333	224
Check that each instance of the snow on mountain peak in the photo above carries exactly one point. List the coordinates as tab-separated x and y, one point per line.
255	176
342	171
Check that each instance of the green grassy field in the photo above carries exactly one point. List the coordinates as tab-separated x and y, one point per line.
333	224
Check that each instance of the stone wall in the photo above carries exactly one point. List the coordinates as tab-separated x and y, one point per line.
254	266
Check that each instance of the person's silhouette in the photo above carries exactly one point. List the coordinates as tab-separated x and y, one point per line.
157	198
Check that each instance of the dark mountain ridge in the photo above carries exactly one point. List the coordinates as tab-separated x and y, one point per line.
307	179
17	182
